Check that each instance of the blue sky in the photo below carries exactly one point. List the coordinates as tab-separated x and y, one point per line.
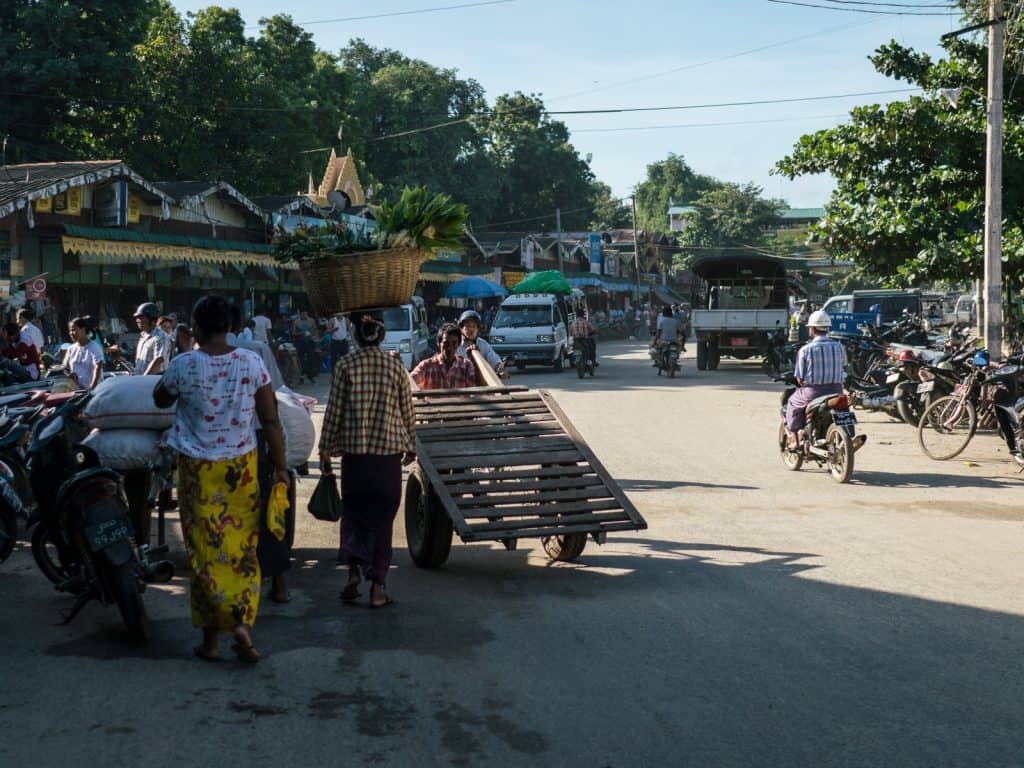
577	54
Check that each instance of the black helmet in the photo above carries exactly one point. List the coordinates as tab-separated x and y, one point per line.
469	314
149	310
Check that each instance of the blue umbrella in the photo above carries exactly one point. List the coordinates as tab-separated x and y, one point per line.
474	288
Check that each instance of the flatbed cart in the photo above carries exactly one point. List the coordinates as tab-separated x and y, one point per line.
503	463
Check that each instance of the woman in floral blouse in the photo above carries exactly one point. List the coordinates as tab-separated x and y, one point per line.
220	390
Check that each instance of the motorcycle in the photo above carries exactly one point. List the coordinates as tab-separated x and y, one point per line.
83	539
666	358
781	354
829	436
583	357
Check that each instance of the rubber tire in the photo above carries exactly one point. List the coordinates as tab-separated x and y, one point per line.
909	412
702	355
8	531
565	548
428	530
845	472
55	571
770	366
793	461
972	418
124	587
581	367
714	356
559	364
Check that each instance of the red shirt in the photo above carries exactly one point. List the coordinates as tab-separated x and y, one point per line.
26	354
432	373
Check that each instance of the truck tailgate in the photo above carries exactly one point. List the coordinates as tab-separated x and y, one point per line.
739	319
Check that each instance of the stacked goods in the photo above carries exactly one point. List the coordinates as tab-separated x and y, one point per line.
295	412
128	427
344	270
549	281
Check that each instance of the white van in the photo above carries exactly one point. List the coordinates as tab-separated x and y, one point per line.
533	328
406	329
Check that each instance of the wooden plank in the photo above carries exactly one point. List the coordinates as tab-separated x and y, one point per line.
493	431
510	447
489	406
488	374
599	468
553	530
446	397
507	460
463	414
531	483
550	510
494	501
540	522
501	389
513	474
461	421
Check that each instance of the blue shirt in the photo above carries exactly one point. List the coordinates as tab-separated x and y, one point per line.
821	361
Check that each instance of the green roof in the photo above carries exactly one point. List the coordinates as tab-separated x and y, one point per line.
682	209
448	268
136	236
802	213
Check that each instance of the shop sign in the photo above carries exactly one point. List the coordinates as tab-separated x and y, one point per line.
528	254
511	279
611	266
35	287
451	255
68	203
110	204
44	205
595	252
134	209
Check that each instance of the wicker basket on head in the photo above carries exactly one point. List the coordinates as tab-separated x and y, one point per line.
344	283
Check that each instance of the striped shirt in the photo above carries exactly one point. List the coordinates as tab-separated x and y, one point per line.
821	361
370	407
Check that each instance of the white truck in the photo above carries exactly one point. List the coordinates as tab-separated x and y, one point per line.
533	328
747	304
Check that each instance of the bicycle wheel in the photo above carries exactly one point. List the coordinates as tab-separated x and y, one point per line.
946	427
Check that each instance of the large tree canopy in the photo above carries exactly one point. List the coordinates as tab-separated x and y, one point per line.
667	180
909	202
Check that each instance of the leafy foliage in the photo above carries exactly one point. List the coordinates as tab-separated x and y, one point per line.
667	180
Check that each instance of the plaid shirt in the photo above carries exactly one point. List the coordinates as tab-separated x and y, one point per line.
370	406
582	328
821	361
432	373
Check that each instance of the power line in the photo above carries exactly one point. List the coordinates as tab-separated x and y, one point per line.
397	13
706	125
865	10
889	5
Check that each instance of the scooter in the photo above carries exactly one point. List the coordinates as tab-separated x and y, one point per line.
829	436
583	357
666	358
83	539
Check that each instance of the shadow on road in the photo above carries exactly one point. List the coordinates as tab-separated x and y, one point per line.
671	485
932	480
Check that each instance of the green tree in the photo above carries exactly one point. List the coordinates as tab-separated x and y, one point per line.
732	216
608	212
667	180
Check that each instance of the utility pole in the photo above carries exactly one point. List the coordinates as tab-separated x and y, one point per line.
558	242
636	251
993	299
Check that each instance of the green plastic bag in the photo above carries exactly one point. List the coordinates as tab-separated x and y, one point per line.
549	281
325	503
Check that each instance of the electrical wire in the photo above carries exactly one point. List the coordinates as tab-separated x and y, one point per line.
392	14
706	125
865	10
889	5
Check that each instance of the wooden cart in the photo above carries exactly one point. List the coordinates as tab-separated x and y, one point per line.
502	463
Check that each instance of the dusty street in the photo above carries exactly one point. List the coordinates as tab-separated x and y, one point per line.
765	618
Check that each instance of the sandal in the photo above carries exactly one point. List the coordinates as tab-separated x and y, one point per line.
351	591
246	653
387	600
206	655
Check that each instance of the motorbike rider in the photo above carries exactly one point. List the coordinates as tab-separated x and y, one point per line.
820	370
469	324
668	329
153	350
584	333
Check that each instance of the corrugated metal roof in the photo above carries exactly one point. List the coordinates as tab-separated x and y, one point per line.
802	213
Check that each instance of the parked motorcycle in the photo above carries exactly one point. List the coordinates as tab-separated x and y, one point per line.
83	539
666	358
781	354
829	436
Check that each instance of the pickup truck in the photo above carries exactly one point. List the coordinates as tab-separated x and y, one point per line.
747	302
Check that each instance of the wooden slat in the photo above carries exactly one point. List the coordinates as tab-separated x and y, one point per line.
493	431
466	392
431	474
485	406
542	522
460	422
488	374
531	483
551	530
487	499
599	468
449	397
513	474
556	509
511	447
506	460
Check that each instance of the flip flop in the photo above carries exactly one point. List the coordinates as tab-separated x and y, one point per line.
387	601
200	652
351	592
246	653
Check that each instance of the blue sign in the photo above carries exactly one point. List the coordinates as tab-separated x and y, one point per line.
849	322
595	252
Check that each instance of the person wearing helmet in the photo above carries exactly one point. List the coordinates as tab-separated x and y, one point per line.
820	370
469	324
154	346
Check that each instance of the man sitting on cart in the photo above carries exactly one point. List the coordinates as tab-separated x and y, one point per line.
446	370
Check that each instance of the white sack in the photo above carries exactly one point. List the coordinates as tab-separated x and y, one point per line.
294	411
126	402
125	448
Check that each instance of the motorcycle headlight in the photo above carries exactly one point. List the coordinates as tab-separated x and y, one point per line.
497	339
545	338
405	346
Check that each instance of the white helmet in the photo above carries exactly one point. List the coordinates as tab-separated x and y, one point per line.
819	319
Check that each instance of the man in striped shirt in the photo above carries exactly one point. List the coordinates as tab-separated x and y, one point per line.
820	370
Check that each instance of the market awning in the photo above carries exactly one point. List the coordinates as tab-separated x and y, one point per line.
100	245
449	272
667	296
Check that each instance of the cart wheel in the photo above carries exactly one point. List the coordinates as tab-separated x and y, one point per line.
427	528
565	548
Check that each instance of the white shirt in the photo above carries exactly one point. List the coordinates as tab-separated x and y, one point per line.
262	330
30	334
339	330
485	349
216	415
669	327
151	345
266	355
82	361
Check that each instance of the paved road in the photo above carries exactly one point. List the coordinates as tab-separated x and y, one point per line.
765	618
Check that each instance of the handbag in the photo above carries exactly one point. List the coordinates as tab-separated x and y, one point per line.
277	511
325	503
